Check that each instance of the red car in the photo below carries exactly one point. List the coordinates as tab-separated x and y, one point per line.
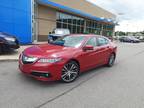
66	57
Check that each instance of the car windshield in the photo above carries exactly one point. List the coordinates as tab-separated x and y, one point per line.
69	41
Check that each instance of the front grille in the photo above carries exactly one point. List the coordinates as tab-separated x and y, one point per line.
39	74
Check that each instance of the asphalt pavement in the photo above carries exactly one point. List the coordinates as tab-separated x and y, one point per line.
121	86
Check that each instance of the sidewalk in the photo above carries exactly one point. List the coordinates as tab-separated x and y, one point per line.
13	55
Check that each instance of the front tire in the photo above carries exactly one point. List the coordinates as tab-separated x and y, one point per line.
111	60
70	72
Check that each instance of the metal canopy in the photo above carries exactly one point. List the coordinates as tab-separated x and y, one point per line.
75	11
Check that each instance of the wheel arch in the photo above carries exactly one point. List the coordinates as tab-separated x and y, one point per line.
75	60
114	53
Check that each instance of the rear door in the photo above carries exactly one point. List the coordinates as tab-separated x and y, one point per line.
103	49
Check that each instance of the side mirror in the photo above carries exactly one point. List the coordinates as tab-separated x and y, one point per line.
88	47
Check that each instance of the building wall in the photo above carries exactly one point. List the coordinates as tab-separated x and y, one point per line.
15	18
85	7
46	21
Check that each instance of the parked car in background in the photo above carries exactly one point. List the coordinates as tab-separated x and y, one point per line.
65	58
8	42
57	33
130	39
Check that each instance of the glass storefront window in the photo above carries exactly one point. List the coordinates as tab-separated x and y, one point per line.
59	25
78	29
74	30
82	30
79	22
70	21
80	25
74	21
82	22
64	25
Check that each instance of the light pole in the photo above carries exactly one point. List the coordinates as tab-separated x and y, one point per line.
118	20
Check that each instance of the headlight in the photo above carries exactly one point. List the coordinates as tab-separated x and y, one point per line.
10	39
53	60
29	59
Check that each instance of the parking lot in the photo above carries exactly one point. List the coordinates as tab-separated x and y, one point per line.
121	86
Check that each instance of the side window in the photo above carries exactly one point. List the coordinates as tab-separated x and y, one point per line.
102	41
92	41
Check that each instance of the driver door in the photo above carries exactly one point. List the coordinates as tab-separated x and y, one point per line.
88	57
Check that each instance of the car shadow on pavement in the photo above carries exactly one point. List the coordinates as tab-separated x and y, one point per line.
97	70
83	77
27	79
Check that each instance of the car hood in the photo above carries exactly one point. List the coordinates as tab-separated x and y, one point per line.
48	50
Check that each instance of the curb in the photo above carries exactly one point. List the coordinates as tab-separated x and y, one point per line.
9	60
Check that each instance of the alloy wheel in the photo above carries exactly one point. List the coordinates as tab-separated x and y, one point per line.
70	72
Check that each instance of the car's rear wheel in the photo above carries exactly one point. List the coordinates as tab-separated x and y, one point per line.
111	60
70	72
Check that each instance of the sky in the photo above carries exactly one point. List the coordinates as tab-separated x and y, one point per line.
130	13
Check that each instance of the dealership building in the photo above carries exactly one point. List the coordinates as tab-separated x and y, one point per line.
32	20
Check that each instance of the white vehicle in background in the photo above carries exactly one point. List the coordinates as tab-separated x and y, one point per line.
57	33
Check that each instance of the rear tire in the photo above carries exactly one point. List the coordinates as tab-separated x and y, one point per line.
111	60
70	72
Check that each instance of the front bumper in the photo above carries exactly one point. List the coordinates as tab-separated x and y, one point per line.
14	46
42	71
11	45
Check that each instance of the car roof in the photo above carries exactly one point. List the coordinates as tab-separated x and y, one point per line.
88	35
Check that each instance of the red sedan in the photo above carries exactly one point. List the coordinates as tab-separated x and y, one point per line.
66	57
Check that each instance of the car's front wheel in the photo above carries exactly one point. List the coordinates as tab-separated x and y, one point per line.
70	72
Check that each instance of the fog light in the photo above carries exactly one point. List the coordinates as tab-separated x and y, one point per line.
41	75
46	75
